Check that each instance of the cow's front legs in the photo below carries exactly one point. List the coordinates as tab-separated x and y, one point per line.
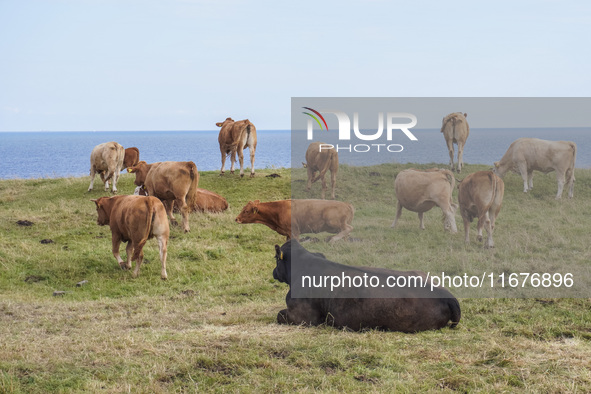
524	176
324	187
116	241
561	181
346	231
169	206
530	179
92	175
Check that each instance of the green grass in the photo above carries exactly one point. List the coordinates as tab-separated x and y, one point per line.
211	326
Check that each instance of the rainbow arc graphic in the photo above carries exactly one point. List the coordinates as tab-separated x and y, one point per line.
315	118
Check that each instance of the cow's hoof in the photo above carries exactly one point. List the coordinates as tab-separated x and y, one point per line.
222	173
164	277
479	238
252	174
241	175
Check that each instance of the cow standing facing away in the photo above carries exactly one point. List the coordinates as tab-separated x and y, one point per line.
408	309
419	191
481	196
294	217
172	182
455	129
234	137
134	219
108	160
321	157
528	154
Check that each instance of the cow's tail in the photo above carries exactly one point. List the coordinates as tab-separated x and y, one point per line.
326	166
150	216
192	194
451	179
455	311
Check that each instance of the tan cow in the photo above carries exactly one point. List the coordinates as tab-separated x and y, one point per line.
294	217
108	160
206	201
134	219
174	181
234	138
528	154
481	196
455	129
419	191
321	157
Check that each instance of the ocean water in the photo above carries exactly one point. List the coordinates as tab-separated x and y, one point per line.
61	154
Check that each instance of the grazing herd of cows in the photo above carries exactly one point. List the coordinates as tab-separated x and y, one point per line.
166	186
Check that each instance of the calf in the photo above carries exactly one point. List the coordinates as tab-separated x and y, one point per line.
419	191
407	309
134	219
294	217
481	196
528	154
171	181
321	157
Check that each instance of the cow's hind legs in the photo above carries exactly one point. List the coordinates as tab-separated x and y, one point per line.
162	246
169	206
398	213
184	208
129	251
92	175
115	248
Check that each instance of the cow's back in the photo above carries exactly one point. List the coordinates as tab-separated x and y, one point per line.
165	177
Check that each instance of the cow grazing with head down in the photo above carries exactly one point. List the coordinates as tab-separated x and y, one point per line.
481	196
234	137
419	191
455	130
408	309
321	157
294	217
108	160
528	154
171	181
134	219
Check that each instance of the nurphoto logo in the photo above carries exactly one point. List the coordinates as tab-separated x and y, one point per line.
344	123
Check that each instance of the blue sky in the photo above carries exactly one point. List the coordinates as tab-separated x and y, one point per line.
77	65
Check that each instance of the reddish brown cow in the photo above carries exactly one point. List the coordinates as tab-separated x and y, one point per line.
321	157
234	138
294	217
134	219
174	181
108	160
481	196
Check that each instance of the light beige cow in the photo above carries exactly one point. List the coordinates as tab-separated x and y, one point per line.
481	196
419	191
108	160
234	137
528	154
321	157
455	129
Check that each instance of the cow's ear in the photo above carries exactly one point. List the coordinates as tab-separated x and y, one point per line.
278	252
465	115
97	203
219	124
496	163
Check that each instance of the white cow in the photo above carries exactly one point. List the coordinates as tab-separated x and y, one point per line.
528	154
108	160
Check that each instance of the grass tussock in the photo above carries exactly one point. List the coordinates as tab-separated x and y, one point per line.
211	326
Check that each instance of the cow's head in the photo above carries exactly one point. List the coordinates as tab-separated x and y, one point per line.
495	168
220	124
249	213
141	171
103	209
282	271
132	157
449	219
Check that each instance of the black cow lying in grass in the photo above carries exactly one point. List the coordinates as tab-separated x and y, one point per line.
406	309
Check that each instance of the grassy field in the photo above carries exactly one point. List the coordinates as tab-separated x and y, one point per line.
211	326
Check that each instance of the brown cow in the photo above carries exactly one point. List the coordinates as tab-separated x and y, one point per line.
419	191
456	130
528	154
321	157
134	219
207	201
294	217
170	181
234	138
108	160
481	196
